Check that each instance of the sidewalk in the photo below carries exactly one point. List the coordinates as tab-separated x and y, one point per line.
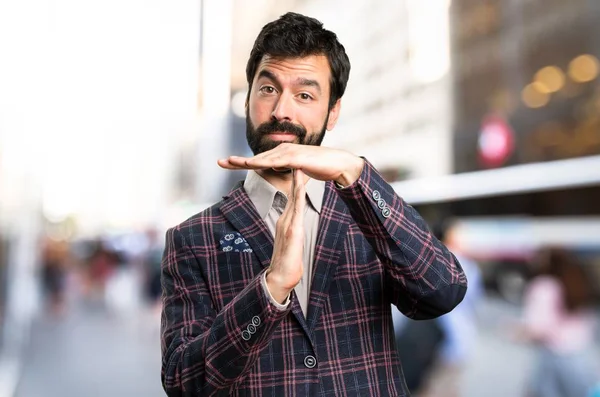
93	353
9	375
11	359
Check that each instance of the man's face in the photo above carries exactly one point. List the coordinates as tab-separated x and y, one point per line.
289	102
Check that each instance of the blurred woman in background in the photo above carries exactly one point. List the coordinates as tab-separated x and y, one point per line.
54	258
558	319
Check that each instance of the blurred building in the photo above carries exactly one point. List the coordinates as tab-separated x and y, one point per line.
526	90
93	98
526	133
533	65
20	182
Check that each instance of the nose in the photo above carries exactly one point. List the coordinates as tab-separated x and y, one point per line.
284	108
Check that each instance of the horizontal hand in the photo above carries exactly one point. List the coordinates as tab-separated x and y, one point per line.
318	162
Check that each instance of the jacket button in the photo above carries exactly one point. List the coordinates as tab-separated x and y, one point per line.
376	195
246	335
256	321
310	361
386	212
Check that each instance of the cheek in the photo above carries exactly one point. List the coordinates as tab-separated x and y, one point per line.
258	111
313	120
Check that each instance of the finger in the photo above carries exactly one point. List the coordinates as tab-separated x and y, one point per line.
225	163
299	194
271	162
245	163
282	156
235	161
294	185
289	205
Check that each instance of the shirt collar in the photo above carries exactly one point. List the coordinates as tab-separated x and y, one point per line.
262	193
315	190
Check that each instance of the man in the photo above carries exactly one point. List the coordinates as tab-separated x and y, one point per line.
284	287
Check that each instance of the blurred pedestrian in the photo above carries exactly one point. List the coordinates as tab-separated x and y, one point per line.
101	266
284	287
151	260
54	259
559	322
442	347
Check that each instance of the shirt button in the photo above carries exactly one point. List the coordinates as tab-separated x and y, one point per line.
310	361
256	321
246	335
376	195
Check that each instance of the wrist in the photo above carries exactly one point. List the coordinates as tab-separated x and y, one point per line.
351	175
278	289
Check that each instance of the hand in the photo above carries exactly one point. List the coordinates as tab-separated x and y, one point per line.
318	162
286	267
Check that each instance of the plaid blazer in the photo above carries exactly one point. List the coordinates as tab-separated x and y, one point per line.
221	336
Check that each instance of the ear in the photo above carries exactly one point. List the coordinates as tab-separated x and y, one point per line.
334	113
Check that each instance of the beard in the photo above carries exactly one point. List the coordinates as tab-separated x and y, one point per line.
259	141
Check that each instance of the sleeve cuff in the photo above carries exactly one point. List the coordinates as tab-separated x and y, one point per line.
278	305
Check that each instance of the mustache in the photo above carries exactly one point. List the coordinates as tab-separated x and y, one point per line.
276	126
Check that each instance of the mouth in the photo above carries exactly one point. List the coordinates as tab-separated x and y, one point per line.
282	136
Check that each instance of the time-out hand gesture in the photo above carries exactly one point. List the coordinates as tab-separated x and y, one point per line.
318	162
286	267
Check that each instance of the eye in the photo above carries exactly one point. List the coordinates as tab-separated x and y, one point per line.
267	89
305	97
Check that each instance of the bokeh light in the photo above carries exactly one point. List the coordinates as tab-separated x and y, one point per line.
584	68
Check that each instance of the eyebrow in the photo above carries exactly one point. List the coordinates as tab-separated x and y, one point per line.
309	83
299	81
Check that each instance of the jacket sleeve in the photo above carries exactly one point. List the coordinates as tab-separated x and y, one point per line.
205	352
424	278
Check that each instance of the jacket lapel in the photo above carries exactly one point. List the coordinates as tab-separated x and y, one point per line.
238	209
333	226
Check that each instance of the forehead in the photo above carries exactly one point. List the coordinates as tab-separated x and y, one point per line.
314	66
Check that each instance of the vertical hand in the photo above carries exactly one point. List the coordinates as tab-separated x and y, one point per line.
286	267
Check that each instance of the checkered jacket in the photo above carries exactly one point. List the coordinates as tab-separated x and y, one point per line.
221	336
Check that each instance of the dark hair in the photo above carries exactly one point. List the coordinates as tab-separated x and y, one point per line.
296	36
564	266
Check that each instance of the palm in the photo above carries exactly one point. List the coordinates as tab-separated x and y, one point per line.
318	162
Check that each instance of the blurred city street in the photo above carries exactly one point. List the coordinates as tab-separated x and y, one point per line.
94	354
91	353
499	366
